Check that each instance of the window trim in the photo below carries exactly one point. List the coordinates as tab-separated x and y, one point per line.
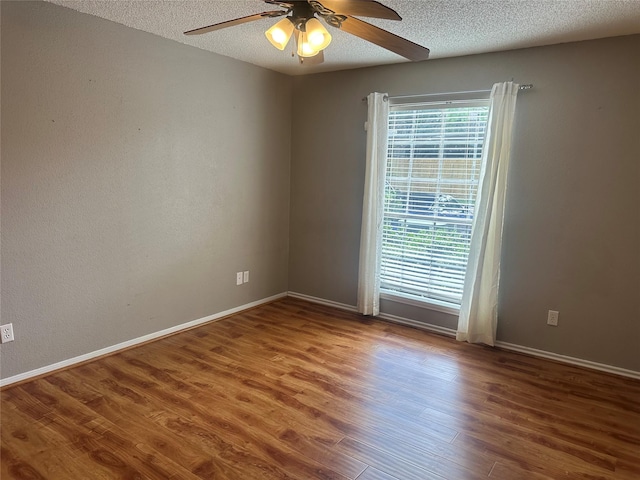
430	304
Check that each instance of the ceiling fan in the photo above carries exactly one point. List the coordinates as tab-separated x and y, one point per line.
301	20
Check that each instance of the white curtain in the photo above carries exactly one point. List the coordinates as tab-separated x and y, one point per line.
373	205
479	307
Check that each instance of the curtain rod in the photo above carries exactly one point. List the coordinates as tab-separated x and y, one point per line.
526	86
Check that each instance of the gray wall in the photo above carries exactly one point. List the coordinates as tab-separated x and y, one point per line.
571	239
138	175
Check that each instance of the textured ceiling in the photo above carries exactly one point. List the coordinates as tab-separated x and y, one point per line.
448	27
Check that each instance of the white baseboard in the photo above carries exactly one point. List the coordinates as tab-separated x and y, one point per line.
136	341
603	367
342	306
322	301
383	316
504	345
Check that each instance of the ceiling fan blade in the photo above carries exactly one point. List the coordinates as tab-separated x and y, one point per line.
237	21
384	39
359	8
315	60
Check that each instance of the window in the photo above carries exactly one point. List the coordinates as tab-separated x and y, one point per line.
433	166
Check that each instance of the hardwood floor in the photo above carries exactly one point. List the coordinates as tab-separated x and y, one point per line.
293	390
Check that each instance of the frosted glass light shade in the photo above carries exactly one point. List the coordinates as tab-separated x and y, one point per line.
305	49
317	35
280	33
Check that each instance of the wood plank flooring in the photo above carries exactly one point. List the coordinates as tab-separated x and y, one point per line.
293	390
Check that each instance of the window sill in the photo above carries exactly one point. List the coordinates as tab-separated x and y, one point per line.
420	302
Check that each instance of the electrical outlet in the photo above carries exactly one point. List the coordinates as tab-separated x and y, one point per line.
6	333
239	278
552	318
245	276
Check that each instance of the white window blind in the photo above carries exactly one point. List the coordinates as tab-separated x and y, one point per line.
433	165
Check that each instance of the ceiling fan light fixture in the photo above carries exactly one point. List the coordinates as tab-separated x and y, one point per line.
317	36
280	33
302	19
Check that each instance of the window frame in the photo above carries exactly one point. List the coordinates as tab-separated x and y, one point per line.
434	102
